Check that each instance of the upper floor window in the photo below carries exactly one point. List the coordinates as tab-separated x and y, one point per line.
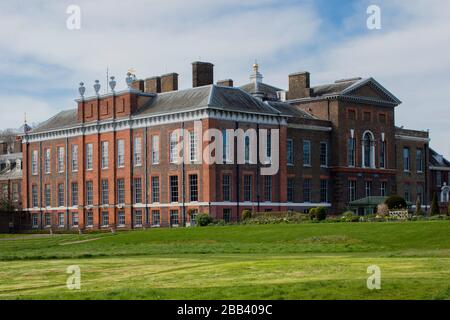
105	154
60	159
89	156
173	188
193	187
290	189
120	188
269	144
155	189
34	196
247	188
368	150
121	153
74	158
323	154
105	192
383	154
290	151
438	179
351	151
352	114
193	146
306	152
419	160
89	193
34	163
226	148
155	149
137	190
382	118
367	116
47	160
406	159
60	195
226	187
247	149
137	151
173	145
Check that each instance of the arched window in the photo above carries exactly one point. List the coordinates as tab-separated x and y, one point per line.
368	150
247	149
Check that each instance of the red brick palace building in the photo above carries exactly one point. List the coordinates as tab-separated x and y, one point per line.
110	162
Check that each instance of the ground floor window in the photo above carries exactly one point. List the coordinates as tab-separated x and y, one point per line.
89	219
75	219
156	218
105	219
173	217
383	189
323	191
193	216
121	218
61	219
227	215
290	190
138	218
48	221
35	220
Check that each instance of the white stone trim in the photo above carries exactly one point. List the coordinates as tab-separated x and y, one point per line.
410	138
309	127
155	120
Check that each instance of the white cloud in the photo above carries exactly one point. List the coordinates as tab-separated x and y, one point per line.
409	55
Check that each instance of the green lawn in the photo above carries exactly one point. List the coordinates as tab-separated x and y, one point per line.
303	261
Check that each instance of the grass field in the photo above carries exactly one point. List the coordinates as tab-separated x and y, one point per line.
302	261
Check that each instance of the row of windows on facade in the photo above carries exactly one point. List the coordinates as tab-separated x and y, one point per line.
139	219
15	192
174	153
368	152
174	190
120	192
151	218
368	187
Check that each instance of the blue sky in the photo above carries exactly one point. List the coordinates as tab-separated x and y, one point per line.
42	62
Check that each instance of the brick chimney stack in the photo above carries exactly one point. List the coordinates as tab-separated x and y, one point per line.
225	83
299	85
138	85
153	85
202	74
169	82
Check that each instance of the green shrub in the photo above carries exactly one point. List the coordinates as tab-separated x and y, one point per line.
203	220
246	214
350	216
312	213
434	210
419	211
396	202
321	213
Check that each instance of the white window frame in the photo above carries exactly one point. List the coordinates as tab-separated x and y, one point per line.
326	154
120	153
61	159
173	147
137	155
155	149
48	155
308	143
74	158
89	156
34	163
193	146
105	154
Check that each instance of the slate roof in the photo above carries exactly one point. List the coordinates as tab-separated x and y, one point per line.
288	110
437	160
334	88
269	92
211	96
